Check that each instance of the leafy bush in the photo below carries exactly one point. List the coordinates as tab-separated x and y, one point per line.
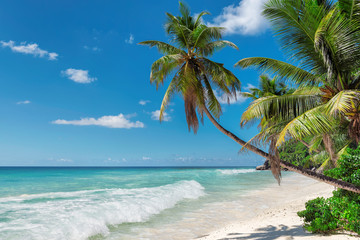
342	210
296	153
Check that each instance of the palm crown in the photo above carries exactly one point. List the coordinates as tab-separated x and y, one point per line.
323	37
193	75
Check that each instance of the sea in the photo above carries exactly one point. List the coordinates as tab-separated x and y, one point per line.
75	203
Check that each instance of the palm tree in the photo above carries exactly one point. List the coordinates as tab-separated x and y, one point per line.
268	87
324	38
193	76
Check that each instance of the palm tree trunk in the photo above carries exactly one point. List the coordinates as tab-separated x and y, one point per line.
308	173
329	146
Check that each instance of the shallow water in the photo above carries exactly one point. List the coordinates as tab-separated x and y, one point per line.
124	203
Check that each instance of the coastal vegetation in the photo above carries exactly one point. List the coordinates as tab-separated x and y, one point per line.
194	75
342	210
317	125
323	39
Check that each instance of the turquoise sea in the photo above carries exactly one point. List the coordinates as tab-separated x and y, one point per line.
123	203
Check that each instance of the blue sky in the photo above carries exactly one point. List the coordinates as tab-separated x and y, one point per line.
75	85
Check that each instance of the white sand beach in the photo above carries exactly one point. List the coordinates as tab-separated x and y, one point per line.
279	221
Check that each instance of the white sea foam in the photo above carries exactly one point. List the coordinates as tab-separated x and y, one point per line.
78	215
235	171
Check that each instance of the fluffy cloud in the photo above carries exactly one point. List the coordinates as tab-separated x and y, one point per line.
146	158
78	75
244	18
156	114
119	121
23	102
143	102
94	49
130	40
110	160
248	87
223	99
30	48
64	160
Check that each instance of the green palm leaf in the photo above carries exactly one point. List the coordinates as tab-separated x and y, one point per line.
210	48
282	107
282	69
163	48
163	67
310	123
342	103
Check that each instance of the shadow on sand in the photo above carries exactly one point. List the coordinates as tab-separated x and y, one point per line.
270	233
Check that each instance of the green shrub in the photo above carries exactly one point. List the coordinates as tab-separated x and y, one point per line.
342	210
295	153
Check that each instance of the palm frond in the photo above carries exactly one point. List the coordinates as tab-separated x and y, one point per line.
349	7
163	67
198	19
178	33
203	34
283	107
343	102
281	69
312	122
212	102
171	90
211	47
294	23
220	76
315	143
249	95
163	47
337	39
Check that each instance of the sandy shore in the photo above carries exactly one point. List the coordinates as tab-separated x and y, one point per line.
279	221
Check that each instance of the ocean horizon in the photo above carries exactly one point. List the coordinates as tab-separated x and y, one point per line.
123	202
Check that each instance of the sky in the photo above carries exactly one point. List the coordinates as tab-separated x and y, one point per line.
75	87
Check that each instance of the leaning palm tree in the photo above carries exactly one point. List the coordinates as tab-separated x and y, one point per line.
324	38
194	75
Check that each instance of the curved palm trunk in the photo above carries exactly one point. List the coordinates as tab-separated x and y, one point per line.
305	172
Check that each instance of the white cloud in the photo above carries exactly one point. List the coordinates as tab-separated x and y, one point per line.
130	40
143	102
30	48
223	99
23	102
119	121
112	161
78	75
146	158
248	87
65	160
156	114
184	159
95	48
244	19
